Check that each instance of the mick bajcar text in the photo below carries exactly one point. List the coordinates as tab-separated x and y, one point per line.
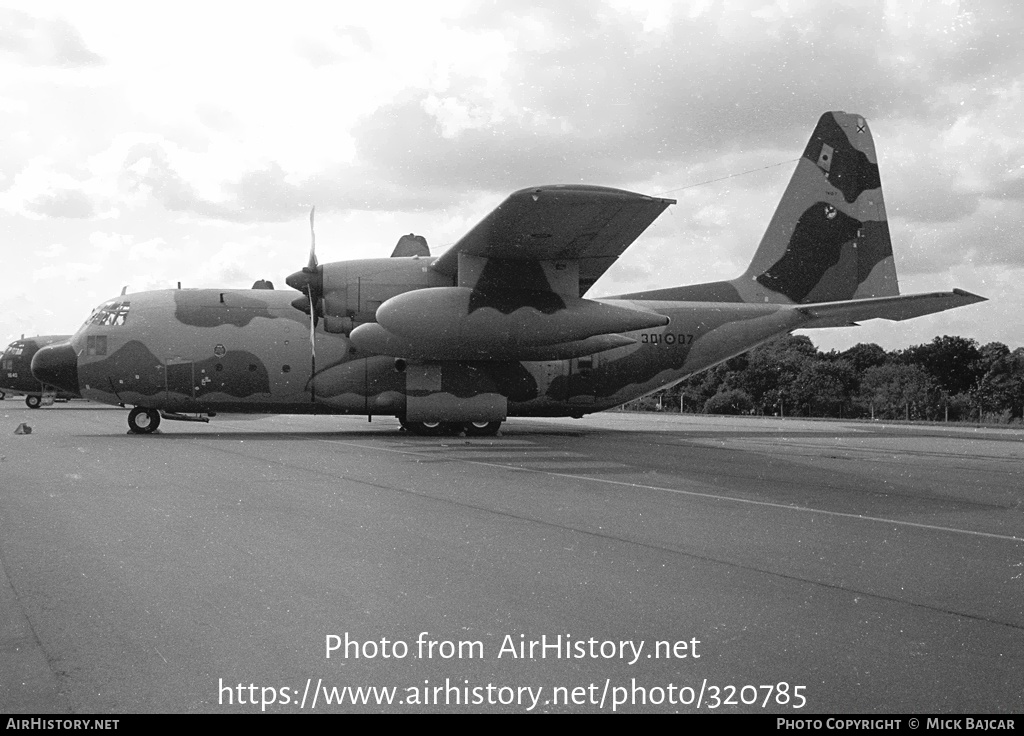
894	724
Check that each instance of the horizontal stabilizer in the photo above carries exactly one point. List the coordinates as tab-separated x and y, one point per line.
899	308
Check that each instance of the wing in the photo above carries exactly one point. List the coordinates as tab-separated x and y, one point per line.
571	234
518	279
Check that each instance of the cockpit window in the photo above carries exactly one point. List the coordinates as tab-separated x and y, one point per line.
96	345
14	350
111	314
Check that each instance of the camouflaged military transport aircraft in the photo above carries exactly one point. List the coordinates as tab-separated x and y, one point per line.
16	373
498	326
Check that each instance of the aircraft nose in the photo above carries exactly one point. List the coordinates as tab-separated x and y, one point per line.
57	365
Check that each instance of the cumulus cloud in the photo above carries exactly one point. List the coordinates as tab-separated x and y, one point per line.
230	264
66	271
105	244
43	42
338	44
149	250
41	191
62	203
617	97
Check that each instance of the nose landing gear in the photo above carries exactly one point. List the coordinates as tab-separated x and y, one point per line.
143	421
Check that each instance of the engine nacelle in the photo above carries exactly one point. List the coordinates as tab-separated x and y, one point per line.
353	290
458	316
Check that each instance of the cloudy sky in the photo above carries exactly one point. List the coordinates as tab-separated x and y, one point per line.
146	144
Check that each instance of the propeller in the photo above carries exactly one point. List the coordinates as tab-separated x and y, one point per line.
310	281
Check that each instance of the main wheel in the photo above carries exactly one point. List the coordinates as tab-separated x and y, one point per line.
428	429
482	429
33	402
143	421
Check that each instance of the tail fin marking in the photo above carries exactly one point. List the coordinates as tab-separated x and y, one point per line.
829	238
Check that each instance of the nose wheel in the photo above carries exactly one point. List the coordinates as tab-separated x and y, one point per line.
143	421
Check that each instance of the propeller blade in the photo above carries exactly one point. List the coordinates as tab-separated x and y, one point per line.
312	346
312	241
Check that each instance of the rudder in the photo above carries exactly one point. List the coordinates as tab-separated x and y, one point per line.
829	237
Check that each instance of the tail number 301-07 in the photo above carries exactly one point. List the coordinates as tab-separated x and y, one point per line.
668	338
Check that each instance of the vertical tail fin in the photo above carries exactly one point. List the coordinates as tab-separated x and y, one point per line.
829	237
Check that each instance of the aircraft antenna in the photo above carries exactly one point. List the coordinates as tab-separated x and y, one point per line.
730	176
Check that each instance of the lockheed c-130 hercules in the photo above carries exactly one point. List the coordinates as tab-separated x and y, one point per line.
16	374
498	325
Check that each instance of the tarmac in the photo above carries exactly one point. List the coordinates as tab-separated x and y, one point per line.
626	562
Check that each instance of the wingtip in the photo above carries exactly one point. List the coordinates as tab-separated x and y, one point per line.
969	295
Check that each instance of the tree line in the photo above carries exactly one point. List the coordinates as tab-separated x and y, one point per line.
950	378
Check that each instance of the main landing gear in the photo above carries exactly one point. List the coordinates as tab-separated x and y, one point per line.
481	429
33	402
439	429
143	421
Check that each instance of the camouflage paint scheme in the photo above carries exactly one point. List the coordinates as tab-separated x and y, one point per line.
498	326
16	374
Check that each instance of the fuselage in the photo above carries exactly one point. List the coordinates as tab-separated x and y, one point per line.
221	350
